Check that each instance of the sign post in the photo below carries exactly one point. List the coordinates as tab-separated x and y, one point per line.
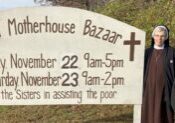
58	55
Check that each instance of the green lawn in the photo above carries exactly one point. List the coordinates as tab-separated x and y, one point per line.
67	114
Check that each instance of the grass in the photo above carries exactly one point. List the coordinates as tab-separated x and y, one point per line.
67	114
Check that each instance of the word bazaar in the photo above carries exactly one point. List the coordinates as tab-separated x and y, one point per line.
100	33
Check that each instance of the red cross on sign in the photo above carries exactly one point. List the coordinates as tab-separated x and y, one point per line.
132	44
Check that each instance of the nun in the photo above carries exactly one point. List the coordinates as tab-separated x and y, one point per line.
159	75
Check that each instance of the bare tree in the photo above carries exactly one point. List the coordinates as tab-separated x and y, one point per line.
85	4
43	2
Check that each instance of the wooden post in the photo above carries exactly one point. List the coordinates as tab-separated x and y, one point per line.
137	114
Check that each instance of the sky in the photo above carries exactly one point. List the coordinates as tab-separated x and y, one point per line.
6	4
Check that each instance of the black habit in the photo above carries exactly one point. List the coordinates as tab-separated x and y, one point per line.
159	74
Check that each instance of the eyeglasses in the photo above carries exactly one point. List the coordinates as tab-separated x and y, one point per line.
161	36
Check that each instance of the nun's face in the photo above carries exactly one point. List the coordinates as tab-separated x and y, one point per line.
159	38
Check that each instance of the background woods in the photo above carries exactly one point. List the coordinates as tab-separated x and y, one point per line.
143	14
